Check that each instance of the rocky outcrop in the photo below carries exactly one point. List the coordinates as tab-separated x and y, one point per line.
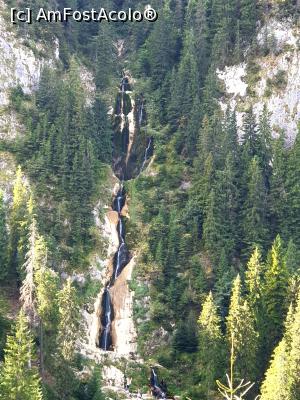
19	67
124	333
273	79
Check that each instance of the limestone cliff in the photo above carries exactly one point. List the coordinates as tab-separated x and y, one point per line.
272	78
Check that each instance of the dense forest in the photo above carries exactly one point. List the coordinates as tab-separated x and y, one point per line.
215	224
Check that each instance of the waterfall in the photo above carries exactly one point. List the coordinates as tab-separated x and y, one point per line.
141	112
106	339
119	200
156	389
122	256
147	153
121	260
154	380
121	231
123	84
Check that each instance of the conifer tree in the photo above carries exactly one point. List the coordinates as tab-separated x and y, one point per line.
291	258
248	20
255	220
185	86
191	132
94	386
251	140
266	153
3	240
46	294
161	46
253	281
17	223
211	226
278	188
241	325
27	290
293	193
203	177
196	18
210	344
105	56
294	356
275	293
228	206
282	380
275	385
230	142
68	328
19	377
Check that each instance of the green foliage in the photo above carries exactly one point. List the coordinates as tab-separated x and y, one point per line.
185	337
5	325
282	377
241	327
19	377
275	293
209	202
63	152
3	240
68	327
255	225
253	282
19	223
278	82
211	361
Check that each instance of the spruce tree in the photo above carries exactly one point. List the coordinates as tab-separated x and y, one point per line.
278	188
230	142
256	209
294	356
196	18
275	385
212	227
94	386
46	294
241	327
3	240
161	47
292	214
282	380
251	141
291	258
27	290
210	345
253	281
18	224
228	206
185	87
68	328
19	377
266	150
105	56
275	292
248	13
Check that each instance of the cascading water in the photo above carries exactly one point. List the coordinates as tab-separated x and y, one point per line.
141	112
122	256
155	387
107	317
121	259
148	152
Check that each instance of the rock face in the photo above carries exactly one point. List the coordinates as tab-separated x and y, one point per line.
277	80
123	329
124	333
19	66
